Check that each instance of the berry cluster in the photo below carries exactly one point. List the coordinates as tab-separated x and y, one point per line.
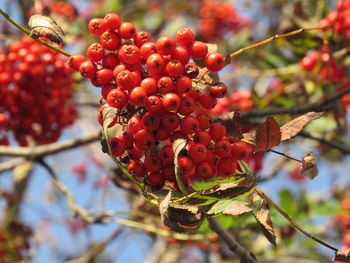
339	18
327	67
217	18
35	90
151	86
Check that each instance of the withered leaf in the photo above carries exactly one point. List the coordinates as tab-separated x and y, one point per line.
178	145
309	166
236	131
230	207
342	255
268	135
293	127
181	218
248	137
45	26
262	215
111	127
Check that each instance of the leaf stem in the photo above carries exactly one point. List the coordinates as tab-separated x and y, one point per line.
27	31
291	220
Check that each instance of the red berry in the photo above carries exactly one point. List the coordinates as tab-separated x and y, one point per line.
125	80
128	138
165	85
183	85
155	63
168	173
222	149
147	49
171	102
174	68
170	121
204	121
154	104
204	170
110	60
144	140
135	124
127	30
137	168
214	62
187	106
97	26
218	90
155	180
95	52
165	45
137	96
198	152
199	50
166	154
191	70
162	134
181	54
117	146
153	163
240	150
150	121
117	98
206	100
149	85
141	38
185	165
129	54
135	153
202	137
87	69
226	167
217	131
178	134
189	124
112	21
185	37
75	61
110	40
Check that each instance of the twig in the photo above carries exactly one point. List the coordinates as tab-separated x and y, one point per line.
291	220
331	144
285	155
8	165
266	41
232	244
47	149
73	206
96	249
257	113
27	31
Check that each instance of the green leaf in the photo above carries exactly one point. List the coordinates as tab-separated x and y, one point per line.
206	185
330	207
288	202
244	166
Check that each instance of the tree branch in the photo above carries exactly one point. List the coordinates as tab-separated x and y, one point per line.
47	149
324	105
331	144
232	244
96	249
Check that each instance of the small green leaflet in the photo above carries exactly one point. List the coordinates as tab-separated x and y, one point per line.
230	207
206	185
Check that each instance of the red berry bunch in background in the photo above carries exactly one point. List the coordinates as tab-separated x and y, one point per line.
339	18
35	93
328	68
217	18
151	86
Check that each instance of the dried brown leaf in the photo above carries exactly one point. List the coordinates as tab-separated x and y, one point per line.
293	127
262	215
309	166
267	135
236	131
45	26
237	209
342	255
